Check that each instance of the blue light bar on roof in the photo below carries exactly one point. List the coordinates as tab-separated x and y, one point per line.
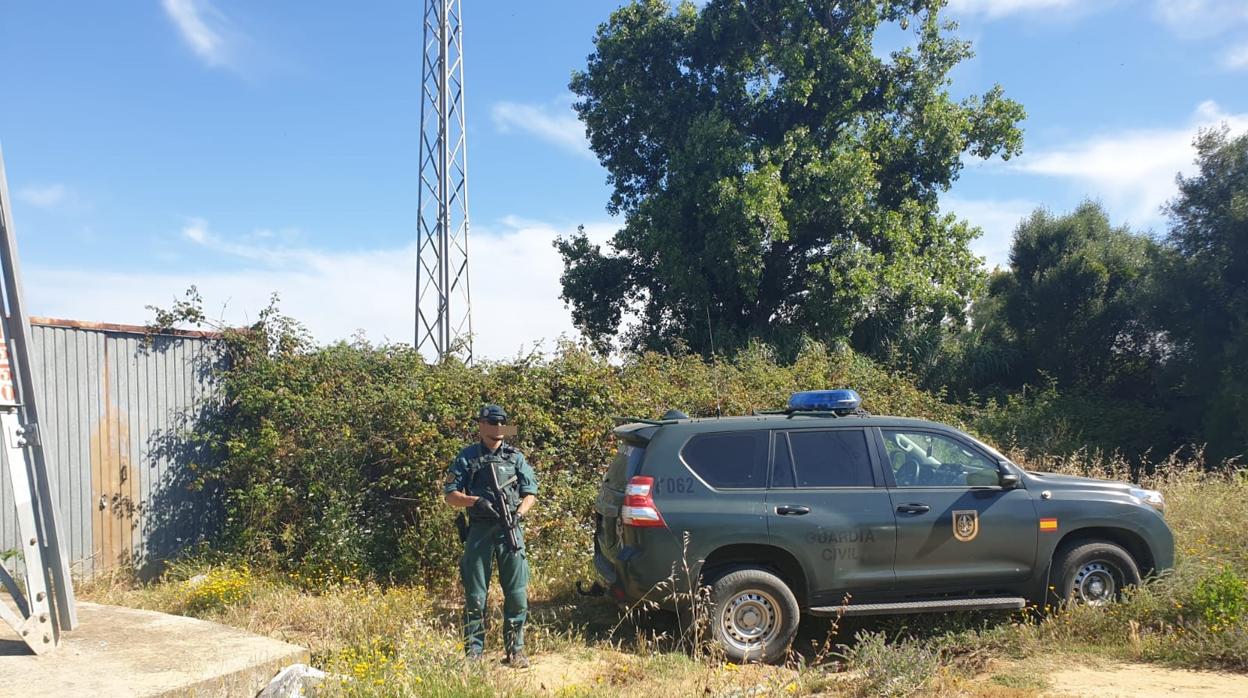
838	401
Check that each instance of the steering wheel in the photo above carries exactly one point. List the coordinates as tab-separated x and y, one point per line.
909	470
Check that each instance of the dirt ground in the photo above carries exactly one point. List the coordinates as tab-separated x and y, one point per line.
1144	681
552	672
1086	676
1059	677
570	673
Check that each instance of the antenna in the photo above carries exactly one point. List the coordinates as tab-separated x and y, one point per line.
715	367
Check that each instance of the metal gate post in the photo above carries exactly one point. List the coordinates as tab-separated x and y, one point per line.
41	616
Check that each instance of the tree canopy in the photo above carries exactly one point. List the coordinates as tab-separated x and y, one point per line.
1206	302
1152	331
1076	303
777	178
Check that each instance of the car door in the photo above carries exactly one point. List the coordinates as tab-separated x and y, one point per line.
958	529
827	504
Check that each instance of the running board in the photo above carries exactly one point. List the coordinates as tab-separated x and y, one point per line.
983	603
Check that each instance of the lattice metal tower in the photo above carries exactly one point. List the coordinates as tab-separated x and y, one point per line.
443	304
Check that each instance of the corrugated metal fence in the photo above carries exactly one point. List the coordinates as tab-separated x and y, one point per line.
115	405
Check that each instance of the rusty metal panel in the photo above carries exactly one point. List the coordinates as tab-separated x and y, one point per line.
115	404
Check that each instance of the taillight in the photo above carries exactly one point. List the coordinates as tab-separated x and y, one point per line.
639	509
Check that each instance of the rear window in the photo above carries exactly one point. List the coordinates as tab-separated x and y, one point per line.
833	458
625	464
729	460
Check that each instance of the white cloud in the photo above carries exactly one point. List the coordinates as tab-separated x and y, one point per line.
50	196
1236	58
554	123
1132	171
1201	18
997	218
514	274
1000	8
196	231
203	28
248	248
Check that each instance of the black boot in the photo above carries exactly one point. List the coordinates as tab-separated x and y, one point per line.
516	659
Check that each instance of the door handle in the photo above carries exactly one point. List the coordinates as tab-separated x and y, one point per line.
792	510
913	509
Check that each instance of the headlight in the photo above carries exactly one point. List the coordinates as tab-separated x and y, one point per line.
1152	498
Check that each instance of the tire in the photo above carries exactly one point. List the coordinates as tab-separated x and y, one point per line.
1093	573
754	616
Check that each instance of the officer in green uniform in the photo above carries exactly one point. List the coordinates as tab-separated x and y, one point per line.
467	480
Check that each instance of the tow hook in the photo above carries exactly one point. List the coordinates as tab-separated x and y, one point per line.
595	590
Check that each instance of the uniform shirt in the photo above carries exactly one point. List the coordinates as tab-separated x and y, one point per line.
458	476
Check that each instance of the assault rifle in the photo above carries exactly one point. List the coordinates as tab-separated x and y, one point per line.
506	516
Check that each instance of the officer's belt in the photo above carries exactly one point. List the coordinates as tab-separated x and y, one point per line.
484	520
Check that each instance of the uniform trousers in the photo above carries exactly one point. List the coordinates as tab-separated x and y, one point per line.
487	542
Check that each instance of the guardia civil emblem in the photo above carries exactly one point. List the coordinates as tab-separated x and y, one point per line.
965	525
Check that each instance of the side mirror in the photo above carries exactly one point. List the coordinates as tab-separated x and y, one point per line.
1009	478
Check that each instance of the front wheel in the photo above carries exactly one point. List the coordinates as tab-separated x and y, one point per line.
754	616
1094	573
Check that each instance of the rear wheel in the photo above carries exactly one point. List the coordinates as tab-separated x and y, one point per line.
754	616
1094	573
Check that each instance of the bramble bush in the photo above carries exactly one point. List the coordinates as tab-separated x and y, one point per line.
1046	420
329	461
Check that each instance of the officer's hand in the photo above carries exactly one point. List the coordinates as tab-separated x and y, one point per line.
484	509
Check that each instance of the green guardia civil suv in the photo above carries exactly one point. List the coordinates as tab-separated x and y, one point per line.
825	509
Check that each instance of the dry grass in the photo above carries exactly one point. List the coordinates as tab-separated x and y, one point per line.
404	640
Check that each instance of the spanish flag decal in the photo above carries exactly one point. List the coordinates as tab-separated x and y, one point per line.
1048	524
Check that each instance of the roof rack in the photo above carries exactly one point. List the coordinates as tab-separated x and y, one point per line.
811	413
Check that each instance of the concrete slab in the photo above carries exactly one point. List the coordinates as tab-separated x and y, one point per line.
127	652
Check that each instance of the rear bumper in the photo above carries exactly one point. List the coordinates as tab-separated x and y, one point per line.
613	570
615	577
606	571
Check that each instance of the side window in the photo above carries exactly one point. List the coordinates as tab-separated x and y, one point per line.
925	459
732	459
832	458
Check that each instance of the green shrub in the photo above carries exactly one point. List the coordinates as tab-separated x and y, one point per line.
329	461
217	588
1222	599
890	669
1046	420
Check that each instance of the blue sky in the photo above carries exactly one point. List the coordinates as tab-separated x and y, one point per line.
252	148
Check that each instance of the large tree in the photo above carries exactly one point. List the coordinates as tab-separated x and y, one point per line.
1207	292
1076	304
777	177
